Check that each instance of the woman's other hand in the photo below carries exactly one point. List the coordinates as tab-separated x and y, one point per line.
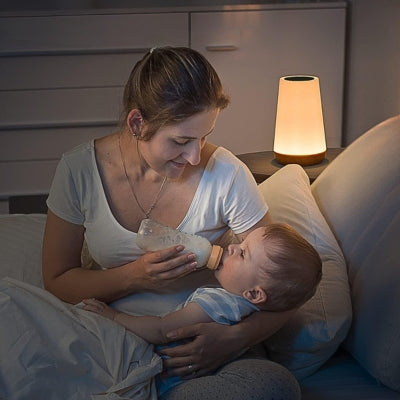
210	345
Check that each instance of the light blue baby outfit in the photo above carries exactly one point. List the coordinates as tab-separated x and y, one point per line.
222	306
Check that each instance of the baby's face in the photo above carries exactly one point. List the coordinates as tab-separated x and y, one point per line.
240	263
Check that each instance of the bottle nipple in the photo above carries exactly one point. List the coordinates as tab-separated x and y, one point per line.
215	257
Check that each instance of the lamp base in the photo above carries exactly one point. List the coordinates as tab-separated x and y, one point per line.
303	160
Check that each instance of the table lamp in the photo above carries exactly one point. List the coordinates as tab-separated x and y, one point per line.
299	128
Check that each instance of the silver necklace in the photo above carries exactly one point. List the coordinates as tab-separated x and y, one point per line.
151	208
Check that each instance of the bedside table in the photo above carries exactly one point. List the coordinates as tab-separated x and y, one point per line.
262	164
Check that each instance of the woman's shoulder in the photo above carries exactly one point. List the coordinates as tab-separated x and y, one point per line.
78	161
224	160
79	152
211	150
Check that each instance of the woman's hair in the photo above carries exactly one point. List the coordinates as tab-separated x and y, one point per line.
170	84
292	271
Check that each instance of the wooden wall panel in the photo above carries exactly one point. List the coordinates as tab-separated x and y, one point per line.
66	71
29	157
55	107
93	33
45	143
26	177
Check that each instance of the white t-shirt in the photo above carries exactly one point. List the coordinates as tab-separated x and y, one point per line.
227	197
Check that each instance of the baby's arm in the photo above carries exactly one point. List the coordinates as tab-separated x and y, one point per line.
151	328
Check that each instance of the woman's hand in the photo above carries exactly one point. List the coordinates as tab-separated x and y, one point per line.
64	277
157	269
210	345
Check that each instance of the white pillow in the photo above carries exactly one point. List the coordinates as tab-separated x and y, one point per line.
362	185
21	237
314	333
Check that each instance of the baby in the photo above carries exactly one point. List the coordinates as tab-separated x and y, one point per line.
273	269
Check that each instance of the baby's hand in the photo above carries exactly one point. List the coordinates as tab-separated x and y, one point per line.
99	307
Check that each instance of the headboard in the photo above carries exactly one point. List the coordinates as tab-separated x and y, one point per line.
30	204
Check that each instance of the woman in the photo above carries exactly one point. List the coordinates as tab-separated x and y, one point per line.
160	165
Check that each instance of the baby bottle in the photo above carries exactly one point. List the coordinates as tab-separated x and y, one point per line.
154	236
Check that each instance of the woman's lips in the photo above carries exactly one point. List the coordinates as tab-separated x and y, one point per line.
179	164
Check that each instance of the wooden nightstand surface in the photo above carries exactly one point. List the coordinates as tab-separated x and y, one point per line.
262	164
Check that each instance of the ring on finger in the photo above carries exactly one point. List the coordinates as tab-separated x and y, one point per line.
190	367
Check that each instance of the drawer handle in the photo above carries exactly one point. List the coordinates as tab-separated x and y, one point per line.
222	47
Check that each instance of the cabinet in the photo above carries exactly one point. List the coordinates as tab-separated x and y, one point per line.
62	74
252	49
62	79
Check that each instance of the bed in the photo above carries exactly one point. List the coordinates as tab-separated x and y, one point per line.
343	343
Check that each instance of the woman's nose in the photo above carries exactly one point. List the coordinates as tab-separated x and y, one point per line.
192	153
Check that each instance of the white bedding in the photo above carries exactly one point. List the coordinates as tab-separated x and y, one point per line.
54	351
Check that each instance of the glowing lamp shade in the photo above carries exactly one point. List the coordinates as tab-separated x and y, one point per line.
299	129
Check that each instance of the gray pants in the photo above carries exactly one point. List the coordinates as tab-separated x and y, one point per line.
244	378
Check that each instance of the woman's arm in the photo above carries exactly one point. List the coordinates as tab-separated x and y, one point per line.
64	277
153	329
213	344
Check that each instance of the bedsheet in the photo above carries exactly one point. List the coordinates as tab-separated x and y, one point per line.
54	351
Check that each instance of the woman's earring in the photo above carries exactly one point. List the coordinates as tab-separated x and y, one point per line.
135	122
135	127
134	134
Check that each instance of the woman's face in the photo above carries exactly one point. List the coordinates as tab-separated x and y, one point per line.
177	145
241	262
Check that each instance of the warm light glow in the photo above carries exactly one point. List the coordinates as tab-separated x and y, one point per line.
299	128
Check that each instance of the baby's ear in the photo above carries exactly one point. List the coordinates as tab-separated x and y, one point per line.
255	295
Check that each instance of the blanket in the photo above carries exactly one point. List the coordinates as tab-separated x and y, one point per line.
53	350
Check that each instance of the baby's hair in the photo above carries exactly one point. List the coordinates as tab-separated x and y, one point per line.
170	84
293	268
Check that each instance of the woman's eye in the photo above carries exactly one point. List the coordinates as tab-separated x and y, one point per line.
242	253
181	143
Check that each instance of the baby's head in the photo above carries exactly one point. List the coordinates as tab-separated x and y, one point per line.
275	268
